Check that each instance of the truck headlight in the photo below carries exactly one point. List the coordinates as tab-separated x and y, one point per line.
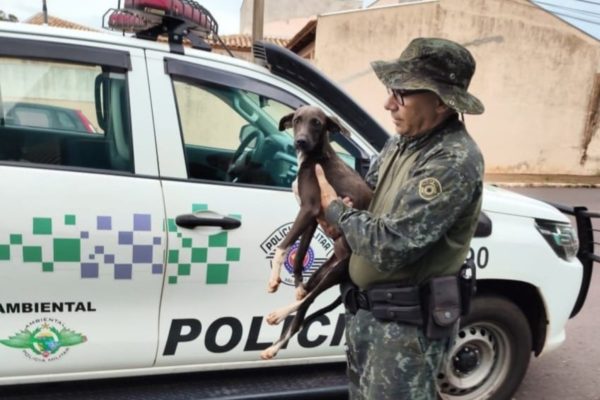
560	236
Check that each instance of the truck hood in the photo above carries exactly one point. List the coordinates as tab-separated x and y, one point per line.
504	201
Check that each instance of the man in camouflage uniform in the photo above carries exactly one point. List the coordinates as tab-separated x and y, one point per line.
427	197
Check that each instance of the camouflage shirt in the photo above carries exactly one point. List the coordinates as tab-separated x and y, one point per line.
424	210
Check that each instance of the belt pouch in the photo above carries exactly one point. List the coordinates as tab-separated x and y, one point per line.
411	315
398	304
444	307
399	296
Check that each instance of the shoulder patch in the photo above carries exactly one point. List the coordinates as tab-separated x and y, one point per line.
429	188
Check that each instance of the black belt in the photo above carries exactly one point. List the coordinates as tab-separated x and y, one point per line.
387	302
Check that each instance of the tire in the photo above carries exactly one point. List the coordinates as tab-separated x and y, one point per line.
489	355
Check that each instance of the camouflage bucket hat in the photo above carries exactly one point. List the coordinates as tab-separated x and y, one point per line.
439	65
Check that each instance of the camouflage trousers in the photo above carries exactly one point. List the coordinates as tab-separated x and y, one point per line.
388	360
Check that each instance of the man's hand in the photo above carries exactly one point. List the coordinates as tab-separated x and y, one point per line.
328	193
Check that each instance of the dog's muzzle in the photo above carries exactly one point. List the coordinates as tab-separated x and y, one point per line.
302	144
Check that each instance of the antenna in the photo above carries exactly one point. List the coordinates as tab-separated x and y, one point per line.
45	10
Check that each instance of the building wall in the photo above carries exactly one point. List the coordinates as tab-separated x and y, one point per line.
379	3
292	11
538	77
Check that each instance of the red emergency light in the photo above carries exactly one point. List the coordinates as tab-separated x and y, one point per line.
148	16
128	22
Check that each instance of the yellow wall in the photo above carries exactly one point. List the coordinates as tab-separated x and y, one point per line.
535	74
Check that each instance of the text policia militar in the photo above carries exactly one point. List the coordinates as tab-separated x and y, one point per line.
189	330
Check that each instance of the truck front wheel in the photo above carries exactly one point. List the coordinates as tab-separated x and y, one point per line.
490	354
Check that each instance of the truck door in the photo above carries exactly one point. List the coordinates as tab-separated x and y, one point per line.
224	163
81	238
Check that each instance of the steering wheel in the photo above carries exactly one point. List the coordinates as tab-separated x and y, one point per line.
244	156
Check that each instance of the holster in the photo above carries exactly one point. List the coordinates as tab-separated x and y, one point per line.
348	293
442	305
467	278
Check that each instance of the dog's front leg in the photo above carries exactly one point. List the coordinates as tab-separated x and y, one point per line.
299	260
304	219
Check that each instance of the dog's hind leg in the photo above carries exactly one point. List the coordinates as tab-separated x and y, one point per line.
275	317
333	272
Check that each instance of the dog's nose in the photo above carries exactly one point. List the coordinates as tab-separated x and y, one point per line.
301	144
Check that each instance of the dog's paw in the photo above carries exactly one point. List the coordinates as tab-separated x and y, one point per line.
269	353
275	318
273	285
301	292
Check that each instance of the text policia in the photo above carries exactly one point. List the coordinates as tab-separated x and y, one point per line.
190	330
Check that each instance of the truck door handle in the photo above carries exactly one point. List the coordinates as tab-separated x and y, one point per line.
191	221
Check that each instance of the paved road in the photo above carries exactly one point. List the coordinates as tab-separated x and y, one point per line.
571	372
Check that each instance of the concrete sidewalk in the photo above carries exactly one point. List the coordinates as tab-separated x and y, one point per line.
543	180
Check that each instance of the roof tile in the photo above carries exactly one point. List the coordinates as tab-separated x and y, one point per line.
38	19
244	42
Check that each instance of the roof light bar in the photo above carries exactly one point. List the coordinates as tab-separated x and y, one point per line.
179	19
126	21
196	17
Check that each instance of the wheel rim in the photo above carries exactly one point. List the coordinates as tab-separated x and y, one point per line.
476	364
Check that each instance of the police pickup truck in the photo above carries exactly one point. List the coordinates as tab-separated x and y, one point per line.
143	246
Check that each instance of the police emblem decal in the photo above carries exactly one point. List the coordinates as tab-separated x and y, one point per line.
318	252
429	188
307	263
45	340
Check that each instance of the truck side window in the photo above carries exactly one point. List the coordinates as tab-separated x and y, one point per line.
64	114
232	135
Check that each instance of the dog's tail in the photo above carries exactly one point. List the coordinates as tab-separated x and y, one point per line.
322	311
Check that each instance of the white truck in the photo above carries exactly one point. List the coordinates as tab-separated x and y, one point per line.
146	186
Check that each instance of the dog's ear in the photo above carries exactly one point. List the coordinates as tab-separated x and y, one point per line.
286	122
334	125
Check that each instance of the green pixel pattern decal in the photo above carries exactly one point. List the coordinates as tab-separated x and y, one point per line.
99	243
213	254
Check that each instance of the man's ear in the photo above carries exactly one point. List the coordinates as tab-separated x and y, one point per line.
286	122
441	107
334	125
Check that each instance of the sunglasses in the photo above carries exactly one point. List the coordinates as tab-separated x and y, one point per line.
400	95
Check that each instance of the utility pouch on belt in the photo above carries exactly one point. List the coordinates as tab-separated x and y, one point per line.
468	285
444	307
393	303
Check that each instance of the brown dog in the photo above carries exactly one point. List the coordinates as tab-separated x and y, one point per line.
311	139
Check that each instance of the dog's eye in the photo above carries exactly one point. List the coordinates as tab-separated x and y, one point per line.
295	121
315	122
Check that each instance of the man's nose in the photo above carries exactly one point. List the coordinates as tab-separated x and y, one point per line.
390	103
